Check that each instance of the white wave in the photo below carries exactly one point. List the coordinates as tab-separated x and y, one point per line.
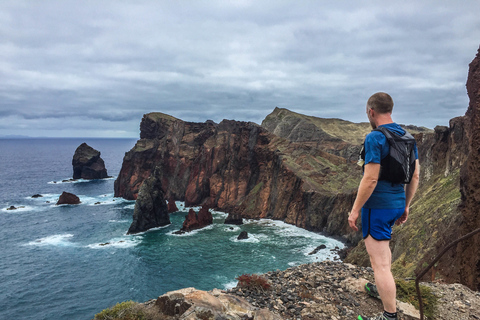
119	221
180	205
128	206
57	240
104	199
231	228
229	285
288	230
150	230
121	243
252	238
219	213
191	233
71	180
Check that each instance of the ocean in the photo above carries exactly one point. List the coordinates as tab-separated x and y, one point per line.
72	261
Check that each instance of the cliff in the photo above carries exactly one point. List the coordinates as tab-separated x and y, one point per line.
467	254
240	167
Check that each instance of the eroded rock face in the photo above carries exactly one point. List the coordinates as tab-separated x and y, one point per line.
68	198
151	209
87	163
241	168
469	251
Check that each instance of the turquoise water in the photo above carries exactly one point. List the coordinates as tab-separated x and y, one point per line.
70	262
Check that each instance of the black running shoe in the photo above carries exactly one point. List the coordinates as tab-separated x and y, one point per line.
379	317
372	290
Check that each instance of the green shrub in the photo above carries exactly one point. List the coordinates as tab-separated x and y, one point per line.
127	310
407	292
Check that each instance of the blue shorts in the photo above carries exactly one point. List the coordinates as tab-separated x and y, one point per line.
379	222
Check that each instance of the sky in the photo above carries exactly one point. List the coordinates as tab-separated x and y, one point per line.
75	68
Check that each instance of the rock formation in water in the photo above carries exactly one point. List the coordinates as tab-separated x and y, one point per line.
234	218
243	235
68	198
194	221
87	163
151	209
172	206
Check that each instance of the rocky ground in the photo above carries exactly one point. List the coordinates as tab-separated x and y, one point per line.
316	291
334	290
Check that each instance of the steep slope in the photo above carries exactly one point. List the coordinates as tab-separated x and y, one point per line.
336	136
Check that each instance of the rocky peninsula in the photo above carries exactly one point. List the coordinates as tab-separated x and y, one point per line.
300	169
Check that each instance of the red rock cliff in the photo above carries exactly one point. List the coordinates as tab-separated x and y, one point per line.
468	252
240	167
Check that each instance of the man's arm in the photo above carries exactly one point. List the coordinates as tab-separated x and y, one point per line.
410	190
365	190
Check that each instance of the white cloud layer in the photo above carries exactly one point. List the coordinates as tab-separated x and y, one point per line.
93	68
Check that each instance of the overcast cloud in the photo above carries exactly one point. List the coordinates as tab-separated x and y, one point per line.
93	68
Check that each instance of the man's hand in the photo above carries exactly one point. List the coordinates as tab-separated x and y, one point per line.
352	219
403	218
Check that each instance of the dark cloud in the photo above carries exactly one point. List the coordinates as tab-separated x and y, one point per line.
72	68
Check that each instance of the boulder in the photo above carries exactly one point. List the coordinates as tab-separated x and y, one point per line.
37	196
151	209
243	235
234	218
68	198
87	163
190	303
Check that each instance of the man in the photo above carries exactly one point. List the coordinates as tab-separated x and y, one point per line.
381	203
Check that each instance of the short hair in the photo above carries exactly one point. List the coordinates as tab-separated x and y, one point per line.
381	102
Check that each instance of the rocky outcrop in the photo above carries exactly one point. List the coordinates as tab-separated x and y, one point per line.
87	163
68	198
193	304
243	235
468	252
151	209
194	221
234	218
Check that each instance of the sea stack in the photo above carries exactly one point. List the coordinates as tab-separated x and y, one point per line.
151	209
68	198
195	221
87	163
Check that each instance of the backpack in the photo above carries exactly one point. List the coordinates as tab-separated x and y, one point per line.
399	165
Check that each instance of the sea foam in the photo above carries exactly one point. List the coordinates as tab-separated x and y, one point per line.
57	240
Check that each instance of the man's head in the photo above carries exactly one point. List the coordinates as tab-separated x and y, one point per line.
379	104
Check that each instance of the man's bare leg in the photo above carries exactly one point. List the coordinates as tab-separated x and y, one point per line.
381	259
